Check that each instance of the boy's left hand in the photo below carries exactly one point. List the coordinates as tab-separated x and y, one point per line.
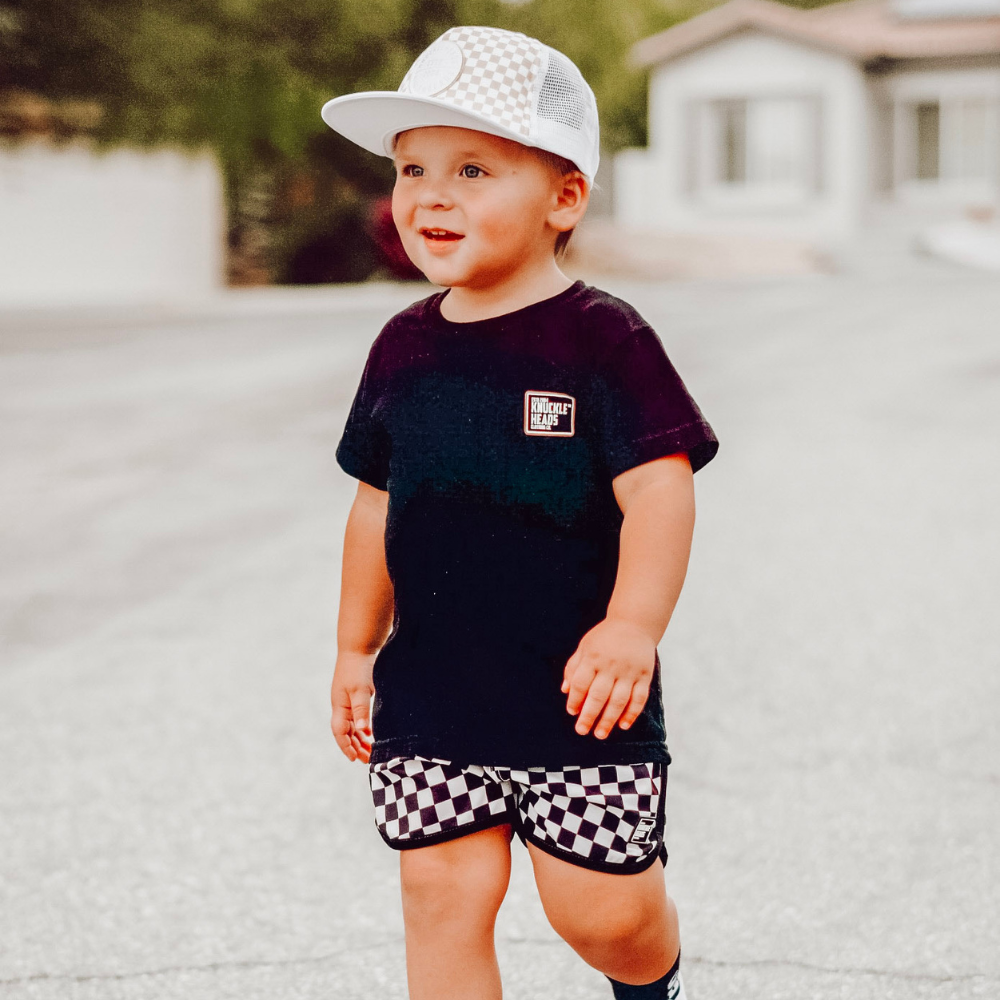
609	676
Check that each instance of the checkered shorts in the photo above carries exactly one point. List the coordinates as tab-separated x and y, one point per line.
609	817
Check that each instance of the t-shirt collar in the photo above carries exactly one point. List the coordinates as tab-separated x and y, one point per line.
560	298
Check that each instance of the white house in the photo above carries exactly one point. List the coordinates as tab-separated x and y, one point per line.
79	227
774	120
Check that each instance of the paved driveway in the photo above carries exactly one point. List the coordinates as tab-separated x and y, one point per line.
174	820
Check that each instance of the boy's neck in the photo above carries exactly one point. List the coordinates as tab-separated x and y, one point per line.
468	303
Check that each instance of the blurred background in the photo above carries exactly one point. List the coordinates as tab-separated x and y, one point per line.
155	149
264	192
802	200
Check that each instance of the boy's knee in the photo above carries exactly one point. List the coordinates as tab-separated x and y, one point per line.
598	928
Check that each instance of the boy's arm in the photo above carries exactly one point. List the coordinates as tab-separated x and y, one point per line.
366	605
609	675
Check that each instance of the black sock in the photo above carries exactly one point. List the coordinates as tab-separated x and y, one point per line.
660	990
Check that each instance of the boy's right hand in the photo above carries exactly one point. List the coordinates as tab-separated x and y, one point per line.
350	699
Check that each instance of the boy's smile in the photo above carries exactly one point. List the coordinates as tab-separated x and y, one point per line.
475	211
435	237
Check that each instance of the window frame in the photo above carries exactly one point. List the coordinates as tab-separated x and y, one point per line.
707	159
952	181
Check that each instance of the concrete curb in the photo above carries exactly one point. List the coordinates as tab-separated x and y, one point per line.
230	303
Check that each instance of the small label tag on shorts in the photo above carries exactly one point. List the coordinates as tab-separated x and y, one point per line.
549	414
642	831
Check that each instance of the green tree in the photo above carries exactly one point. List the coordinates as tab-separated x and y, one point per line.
247	78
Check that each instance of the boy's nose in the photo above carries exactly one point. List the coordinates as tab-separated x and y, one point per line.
434	196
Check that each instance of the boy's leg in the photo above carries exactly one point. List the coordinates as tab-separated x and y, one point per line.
451	895
623	925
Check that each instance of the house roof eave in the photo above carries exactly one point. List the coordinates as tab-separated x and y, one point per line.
730	19
640	61
863	30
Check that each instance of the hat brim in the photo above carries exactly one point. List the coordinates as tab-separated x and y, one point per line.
374	118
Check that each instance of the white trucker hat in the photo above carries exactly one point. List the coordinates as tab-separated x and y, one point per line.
488	79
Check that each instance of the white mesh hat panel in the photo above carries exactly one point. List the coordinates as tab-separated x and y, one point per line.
562	94
497	81
566	113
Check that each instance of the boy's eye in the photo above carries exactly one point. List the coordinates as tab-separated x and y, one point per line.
412	170
469	170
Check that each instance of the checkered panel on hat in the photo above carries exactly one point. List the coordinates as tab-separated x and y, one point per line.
419	797
606	814
497	77
486	79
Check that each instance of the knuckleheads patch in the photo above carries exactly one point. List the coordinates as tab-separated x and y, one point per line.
549	414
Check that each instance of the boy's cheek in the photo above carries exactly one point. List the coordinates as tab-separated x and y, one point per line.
402	212
509	230
499	237
412	244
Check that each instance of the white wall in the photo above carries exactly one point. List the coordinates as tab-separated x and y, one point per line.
653	188
81	227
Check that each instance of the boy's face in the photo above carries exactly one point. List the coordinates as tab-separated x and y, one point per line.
473	209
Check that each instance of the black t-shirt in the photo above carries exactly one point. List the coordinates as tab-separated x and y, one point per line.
497	441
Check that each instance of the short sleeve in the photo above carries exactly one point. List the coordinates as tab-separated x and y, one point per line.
648	412
363	451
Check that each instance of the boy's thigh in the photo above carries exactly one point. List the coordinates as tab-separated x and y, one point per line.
584	903
452	825
461	881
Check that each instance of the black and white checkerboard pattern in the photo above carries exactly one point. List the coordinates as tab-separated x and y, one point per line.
417	798
608	814
497	77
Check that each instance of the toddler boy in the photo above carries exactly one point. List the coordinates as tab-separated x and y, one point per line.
520	535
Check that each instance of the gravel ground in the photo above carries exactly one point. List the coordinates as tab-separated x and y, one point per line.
175	821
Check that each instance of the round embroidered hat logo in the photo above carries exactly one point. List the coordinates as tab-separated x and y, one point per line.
438	67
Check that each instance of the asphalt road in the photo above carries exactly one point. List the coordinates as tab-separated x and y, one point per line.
174	819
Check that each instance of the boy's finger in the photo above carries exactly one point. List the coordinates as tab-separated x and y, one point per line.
597	697
350	745
362	749
583	677
571	664
342	728
360	704
342	736
620	695
340	725
635	705
363	736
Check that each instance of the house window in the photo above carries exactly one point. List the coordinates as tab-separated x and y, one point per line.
928	129
732	126
949	142
753	149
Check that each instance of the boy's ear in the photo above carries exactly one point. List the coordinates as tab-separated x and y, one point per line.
572	196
